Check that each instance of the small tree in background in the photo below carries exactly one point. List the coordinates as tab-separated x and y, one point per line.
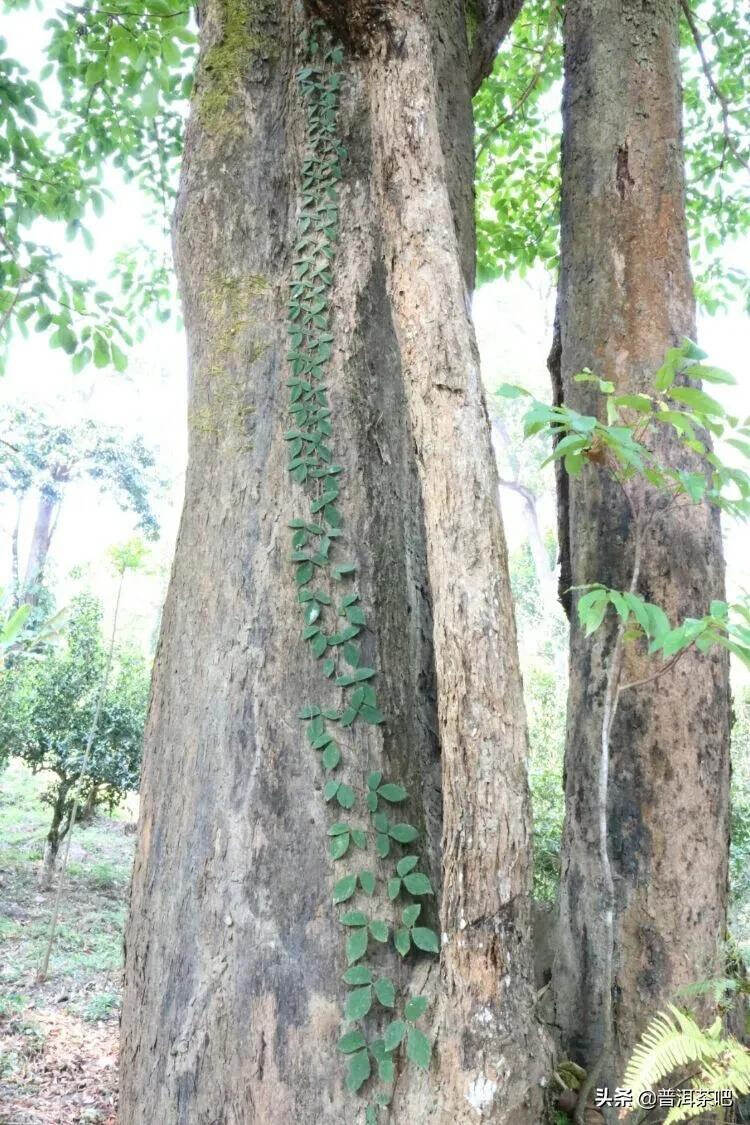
46	714
43	457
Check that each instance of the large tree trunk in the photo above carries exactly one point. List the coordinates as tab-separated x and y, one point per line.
233	998
625	296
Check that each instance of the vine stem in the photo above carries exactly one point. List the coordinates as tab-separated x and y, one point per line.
42	973
609	711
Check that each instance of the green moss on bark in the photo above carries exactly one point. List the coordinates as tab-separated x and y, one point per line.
228	408
246	36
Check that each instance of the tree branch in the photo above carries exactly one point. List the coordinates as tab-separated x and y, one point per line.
494	20
659	672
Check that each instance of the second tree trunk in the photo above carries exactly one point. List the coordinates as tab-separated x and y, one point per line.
625	296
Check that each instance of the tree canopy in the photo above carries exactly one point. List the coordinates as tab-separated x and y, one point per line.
113	99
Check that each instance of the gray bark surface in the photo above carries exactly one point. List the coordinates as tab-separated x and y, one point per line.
233	994
625	296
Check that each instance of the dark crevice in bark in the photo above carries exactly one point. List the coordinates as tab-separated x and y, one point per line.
622	174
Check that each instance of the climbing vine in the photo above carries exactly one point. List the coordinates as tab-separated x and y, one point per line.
380	1023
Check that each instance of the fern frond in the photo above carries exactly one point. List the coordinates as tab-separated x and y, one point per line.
683	1113
730	1072
671	1040
718	988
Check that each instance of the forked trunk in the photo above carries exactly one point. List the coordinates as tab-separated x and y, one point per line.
233	999
626	296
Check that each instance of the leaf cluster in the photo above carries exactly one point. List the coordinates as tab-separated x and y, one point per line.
113	91
47	705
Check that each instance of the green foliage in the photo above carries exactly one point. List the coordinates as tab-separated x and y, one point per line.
13	622
115	84
333	620
130	555
673	1041
518	148
47	705
19	632
717	152
627	448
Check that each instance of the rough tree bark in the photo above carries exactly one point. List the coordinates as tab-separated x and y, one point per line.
234	958
625	296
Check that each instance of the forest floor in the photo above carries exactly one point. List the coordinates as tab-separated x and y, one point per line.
58	1039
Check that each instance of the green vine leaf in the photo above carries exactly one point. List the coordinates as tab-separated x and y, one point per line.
393	793
371	715
358	974
394	1034
355	676
352	1041
410	914
330	789
359	1071
344	889
418	884
345	796
425	939
356	945
385	992
386	1071
343	570
404	833
402	941
358	1003
353	918
367	882
379	930
331	756
418	1048
339	846
338	828
416	1006
407	864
